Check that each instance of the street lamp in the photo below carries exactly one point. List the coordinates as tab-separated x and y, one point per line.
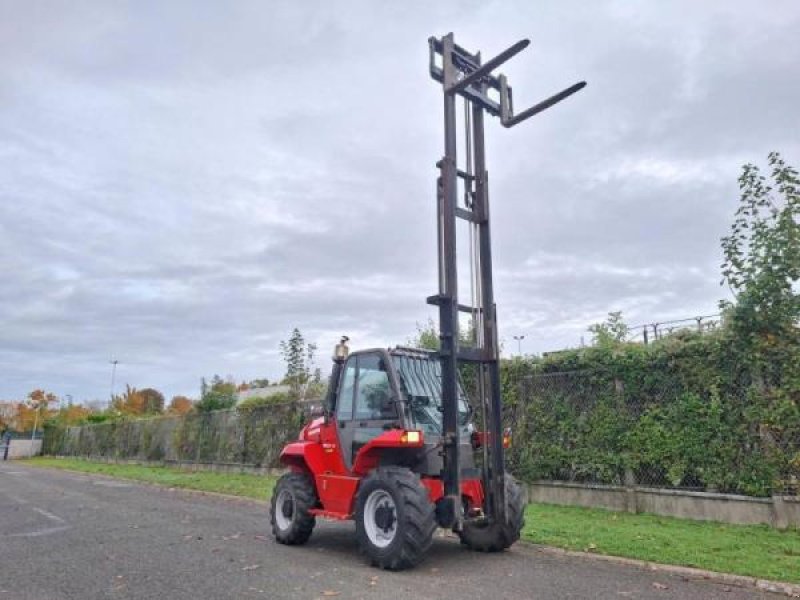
113	363
519	339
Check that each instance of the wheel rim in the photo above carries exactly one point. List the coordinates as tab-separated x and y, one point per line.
380	518
284	510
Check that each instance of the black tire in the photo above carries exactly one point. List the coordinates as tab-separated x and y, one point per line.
293	497
498	536
392	504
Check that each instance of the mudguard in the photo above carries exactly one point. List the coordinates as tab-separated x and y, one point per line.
304	457
368	456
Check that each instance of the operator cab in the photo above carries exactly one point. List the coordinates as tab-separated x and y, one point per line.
400	388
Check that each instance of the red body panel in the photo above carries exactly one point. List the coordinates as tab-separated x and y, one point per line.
471	489
337	493
318	453
368	456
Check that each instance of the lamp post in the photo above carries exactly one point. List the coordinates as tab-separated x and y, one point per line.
519	339
114	363
36	407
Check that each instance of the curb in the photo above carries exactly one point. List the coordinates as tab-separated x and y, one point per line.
792	590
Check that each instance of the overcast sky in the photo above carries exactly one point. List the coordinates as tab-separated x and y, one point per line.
182	183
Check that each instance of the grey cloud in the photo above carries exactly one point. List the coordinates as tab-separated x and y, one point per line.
183	183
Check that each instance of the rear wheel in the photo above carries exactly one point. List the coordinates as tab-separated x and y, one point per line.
395	520
498	536
293	497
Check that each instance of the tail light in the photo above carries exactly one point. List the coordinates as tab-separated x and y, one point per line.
411	437
479	438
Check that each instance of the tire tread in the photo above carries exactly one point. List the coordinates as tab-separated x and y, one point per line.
305	496
416	518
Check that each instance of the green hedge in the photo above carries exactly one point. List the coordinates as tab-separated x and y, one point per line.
252	436
691	410
716	411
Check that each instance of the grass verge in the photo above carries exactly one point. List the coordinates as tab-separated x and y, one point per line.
754	550
236	484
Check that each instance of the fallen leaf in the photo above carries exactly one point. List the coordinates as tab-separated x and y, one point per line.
330	593
660	586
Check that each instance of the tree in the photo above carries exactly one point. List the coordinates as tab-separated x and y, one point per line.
152	401
427	336
179	405
219	395
73	414
299	358
147	401
32	412
612	331
761	262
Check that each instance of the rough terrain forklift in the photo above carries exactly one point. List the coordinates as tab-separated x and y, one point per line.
396	447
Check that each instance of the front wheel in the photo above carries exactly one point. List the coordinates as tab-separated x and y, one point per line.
395	520
293	497
496	537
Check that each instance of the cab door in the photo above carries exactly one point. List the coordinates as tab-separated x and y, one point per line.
367	406
344	410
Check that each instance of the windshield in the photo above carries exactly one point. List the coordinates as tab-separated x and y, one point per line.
421	382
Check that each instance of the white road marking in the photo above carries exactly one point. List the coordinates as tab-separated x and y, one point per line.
40	532
45	530
49	515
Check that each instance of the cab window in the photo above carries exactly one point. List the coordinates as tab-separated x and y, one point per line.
373	391
344	406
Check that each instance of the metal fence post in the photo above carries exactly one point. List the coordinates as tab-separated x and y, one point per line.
629	476
198	435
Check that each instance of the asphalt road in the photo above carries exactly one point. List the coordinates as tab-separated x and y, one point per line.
66	535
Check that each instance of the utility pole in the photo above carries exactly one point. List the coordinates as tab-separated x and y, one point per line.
113	363
35	423
519	339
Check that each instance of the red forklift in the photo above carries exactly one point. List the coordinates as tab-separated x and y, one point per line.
396	446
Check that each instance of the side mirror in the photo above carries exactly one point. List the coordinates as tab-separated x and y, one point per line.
318	411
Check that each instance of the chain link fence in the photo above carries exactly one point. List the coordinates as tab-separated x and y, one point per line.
251	437
651	430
